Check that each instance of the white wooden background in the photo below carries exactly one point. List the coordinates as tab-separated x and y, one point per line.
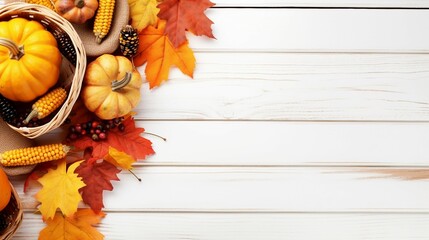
290	108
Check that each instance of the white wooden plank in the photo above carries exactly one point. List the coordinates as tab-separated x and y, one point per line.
247	143
270	86
206	226
324	3
289	143
244	189
316	30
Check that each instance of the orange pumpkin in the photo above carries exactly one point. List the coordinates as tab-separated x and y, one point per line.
77	11
30	60
111	86
5	190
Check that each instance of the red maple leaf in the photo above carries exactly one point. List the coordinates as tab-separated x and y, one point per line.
97	176
185	15
129	141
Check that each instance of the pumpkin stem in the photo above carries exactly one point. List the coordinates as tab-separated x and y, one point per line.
118	84
15	51
79	3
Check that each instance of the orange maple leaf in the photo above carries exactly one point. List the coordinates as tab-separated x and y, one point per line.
182	15
76	227
157	50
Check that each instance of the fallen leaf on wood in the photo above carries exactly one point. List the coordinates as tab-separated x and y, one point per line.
60	189
143	13
79	226
97	177
158	52
185	15
119	159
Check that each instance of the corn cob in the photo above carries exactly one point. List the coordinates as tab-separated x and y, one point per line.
66	46
128	41
103	19
7	110
46	3
47	104
33	155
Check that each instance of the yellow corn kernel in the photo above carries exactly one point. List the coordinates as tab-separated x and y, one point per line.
47	104
33	155
46	3
103	19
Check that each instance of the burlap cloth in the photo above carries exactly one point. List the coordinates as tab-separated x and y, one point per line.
111	42
10	139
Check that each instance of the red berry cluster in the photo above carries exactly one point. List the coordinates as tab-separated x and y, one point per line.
96	129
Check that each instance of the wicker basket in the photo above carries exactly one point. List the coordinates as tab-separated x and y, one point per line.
13	215
71	75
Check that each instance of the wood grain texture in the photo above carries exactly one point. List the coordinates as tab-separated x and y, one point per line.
264	189
325	3
274	86
316	30
206	226
289	144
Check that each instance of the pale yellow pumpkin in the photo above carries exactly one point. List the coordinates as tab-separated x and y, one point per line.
30	60
111	86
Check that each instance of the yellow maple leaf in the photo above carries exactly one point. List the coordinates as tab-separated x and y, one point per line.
157	50
143	13
76	227
119	159
60	190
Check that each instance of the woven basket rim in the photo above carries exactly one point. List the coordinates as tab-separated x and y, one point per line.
52	19
9	232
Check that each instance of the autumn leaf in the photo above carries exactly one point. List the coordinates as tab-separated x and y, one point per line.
119	159
182	15
40	170
143	13
76	227
97	177
129	141
157	50
60	190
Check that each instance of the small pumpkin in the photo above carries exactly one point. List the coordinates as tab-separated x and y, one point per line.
111	86
5	189
30	60
77	11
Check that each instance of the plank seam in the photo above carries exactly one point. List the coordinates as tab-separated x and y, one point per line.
204	211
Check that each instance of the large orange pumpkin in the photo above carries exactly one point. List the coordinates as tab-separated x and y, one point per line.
30	60
111	86
5	190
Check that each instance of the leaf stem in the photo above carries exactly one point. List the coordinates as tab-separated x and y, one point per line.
135	175
156	135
